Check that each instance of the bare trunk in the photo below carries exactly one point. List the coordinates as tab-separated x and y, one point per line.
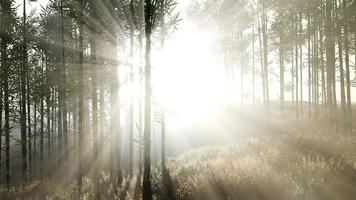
147	190
5	85
347	66
81	102
23	98
253	65
265	54
94	96
301	61
262	64
296	65
310	72
281	62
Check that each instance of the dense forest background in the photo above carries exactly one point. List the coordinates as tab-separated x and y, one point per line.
174	99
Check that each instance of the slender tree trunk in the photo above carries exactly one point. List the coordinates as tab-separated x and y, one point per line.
315	68
81	100
48	109
1	110
341	65
265	54
118	128
62	85
163	114
253	65
301	60
242	74
147	190
93	57
310	72
23	98
131	107
281	62
28	121
35	131
140	112
330	56
292	75
102	120
163	144
333	69
95	119
347	65
262	64
42	125
5	78
323	67
113	101
296	64
54	118
342	77
59	124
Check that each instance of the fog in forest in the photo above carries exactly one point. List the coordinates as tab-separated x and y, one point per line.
177	99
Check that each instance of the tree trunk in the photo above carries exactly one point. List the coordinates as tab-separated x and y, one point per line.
1	108
23	98
81	99
310	72
147	190
42	122
5	78
330	56
281	61
342	77
296	65
347	65
48	109
322	67
118	127
301	61
292	75
262	64
253	65
102	120
35	130
28	121
62	86
93	57
265	54
140	123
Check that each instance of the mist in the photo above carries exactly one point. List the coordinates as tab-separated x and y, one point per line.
177	99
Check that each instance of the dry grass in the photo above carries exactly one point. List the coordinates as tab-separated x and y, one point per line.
304	163
305	160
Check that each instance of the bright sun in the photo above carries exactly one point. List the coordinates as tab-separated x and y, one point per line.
186	75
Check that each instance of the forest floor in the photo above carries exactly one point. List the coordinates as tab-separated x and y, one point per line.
280	159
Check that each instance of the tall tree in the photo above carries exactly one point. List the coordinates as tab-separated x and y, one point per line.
81	97
24	71
147	190
93	56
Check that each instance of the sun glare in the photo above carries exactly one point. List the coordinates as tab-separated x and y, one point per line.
187	78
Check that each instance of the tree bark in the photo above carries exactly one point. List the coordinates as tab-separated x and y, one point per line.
93	57
281	61
265	54
81	99
330	57
300	41
347	64
23	97
147	190
5	85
